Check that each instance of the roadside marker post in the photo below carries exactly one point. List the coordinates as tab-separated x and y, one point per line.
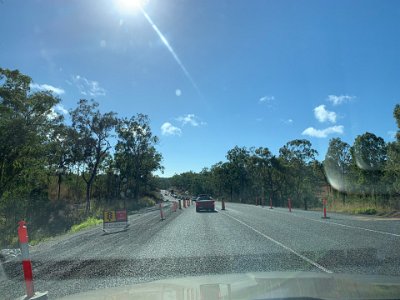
263	202
173	207
26	264
270	203
223	204
290	205
180	204
162	212
324	206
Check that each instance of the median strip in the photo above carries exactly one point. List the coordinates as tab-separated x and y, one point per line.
282	245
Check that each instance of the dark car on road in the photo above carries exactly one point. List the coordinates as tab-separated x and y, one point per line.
205	202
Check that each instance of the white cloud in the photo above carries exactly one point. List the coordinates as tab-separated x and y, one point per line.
88	87
56	111
135	130
337	100
392	134
318	133
287	121
169	129
323	115
51	115
267	99
190	119
61	109
46	87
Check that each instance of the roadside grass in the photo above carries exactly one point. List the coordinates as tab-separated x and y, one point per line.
89	222
357	208
42	237
39	235
36	241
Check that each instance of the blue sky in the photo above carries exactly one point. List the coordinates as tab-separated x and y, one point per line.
258	73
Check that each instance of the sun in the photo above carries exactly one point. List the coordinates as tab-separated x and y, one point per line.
130	6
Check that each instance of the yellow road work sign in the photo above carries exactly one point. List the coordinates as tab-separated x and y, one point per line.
115	220
109	216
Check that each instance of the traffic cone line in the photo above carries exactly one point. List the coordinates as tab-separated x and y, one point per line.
324	202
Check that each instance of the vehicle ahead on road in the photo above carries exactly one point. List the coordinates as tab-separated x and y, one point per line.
205	202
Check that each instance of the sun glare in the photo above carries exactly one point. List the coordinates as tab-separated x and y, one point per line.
130	6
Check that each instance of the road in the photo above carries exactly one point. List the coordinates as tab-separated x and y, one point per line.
243	238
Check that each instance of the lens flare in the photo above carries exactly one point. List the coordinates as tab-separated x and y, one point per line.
170	49
134	6
130	6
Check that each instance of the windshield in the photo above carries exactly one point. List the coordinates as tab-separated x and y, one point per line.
116	116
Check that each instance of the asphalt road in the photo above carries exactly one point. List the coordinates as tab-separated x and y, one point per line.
243	238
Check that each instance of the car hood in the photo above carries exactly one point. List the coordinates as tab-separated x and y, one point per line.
256	286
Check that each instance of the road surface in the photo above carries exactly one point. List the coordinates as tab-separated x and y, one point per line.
243	238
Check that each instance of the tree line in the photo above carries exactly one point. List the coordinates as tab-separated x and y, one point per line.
368	172
50	165
47	162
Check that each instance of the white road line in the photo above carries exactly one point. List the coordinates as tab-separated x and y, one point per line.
339	224
282	245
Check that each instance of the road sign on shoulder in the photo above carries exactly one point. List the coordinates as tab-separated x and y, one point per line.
115	219
109	217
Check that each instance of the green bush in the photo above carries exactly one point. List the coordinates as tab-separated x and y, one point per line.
146	202
366	211
154	195
370	211
90	222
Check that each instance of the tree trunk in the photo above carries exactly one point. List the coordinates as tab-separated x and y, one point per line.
88	186
59	187
136	192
